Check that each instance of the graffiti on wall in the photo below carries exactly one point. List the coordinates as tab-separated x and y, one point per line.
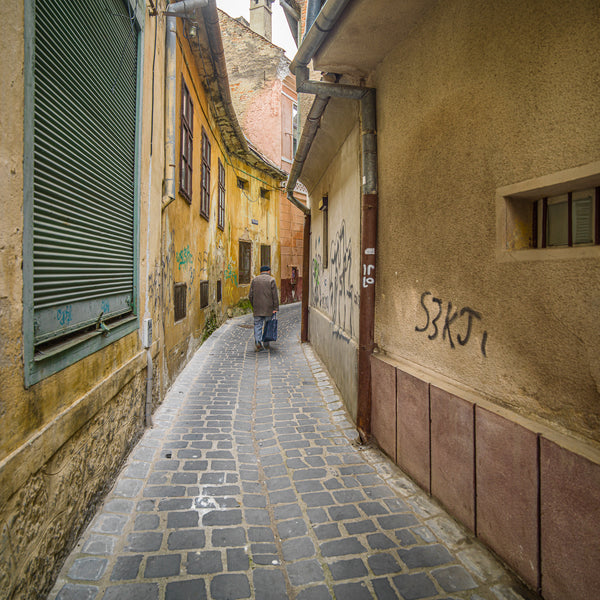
203	257
460	322
184	257
341	290
319	279
230	274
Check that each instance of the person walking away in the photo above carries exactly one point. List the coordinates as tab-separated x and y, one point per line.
265	303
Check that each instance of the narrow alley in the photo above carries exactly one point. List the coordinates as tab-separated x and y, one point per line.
251	484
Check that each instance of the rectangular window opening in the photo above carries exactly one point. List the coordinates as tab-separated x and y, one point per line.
221	210
180	300
205	178
203	294
245	262
265	255
187	143
219	290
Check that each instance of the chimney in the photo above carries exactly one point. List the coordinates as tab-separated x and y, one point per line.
260	17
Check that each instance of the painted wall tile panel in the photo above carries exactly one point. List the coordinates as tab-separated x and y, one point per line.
452	454
383	407
570	524
412	397
507	491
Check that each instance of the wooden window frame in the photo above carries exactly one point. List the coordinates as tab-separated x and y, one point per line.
205	178
204	293
221	208
179	301
244	276
265	249
186	151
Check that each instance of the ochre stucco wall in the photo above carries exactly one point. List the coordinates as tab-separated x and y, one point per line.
482	96
63	439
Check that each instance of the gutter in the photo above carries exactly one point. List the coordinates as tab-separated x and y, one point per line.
313	40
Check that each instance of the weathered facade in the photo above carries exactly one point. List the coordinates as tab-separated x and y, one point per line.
482	381
264	95
92	247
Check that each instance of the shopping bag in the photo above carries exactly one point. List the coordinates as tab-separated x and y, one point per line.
270	334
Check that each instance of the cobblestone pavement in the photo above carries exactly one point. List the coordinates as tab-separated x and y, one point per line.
251	484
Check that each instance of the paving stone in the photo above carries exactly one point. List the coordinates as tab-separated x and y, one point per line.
234	536
128	488
305	571
72	591
319	592
348	569
257	517
297	548
186	590
148	541
413	586
145	521
175	504
185	478
160	491
224	517
360	527
380	541
132	591
186	539
397	521
293	528
88	568
318	499
283	497
342	513
269	584
425	556
383	564
384	590
230	587
287	511
327	531
203	563
454	579
167	565
342	547
352	591
126	567
237	559
99	544
119	505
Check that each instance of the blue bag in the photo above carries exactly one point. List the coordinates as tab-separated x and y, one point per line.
270	334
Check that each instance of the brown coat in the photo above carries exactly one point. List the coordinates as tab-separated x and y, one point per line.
263	295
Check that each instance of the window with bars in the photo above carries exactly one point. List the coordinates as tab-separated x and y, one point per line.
221	210
205	179
180	300
187	143
245	262
80	201
203	294
265	255
570	219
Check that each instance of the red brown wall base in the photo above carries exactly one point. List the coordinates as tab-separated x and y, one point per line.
531	500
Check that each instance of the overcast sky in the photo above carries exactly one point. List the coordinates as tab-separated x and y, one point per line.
281	32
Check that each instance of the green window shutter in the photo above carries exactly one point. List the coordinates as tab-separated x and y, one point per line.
84	141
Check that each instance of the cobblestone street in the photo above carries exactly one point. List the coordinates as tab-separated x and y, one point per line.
252	484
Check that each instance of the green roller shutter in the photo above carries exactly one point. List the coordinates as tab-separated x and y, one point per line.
84	145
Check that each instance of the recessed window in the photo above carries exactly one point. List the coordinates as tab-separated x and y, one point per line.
264	193
265	255
569	219
242	183
203	294
180	300
205	179
219	290
221	210
187	143
245	262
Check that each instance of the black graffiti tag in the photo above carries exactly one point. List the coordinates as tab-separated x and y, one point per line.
452	316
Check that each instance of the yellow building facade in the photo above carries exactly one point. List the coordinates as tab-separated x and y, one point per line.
95	243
